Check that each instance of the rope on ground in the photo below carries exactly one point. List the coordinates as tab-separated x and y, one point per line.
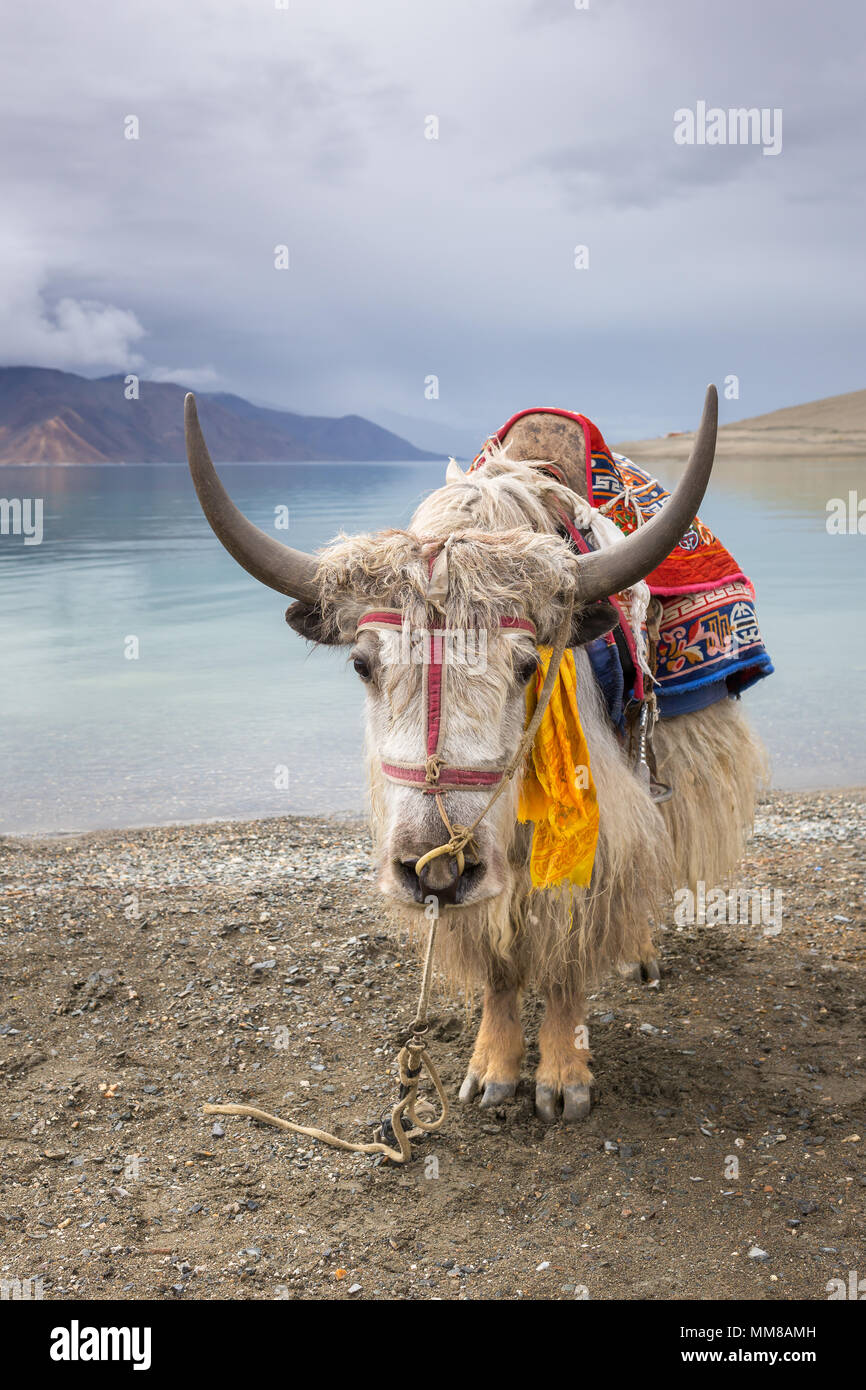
412	1061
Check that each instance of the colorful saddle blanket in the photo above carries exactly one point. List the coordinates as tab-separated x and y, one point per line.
709	643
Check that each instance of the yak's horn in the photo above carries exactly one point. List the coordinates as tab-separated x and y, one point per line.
606	572
288	571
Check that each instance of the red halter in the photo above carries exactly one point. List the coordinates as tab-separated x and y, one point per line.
434	775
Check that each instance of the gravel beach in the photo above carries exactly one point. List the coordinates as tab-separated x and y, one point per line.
144	973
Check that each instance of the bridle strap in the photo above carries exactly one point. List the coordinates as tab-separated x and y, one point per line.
462	835
434	774
386	619
437	779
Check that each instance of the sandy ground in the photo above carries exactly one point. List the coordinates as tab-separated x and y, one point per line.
147	972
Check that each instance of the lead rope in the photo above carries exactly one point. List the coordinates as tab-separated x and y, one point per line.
413	1058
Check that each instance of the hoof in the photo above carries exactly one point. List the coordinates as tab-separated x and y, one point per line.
495	1092
545	1103
576	1103
470	1088
641	971
630	970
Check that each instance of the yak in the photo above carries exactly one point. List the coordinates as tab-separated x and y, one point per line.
486	553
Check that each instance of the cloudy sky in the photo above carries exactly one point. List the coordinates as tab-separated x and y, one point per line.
454	257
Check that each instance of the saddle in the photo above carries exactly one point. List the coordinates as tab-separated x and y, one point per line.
702	639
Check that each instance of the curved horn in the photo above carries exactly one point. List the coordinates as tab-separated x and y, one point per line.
606	572
288	571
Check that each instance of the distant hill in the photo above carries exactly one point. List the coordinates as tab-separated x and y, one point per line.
832	428
57	417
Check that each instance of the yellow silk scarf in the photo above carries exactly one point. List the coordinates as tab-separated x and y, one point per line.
557	791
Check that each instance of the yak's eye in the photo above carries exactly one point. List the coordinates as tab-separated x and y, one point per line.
362	666
527	669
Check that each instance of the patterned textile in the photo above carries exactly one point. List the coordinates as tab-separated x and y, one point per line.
709	644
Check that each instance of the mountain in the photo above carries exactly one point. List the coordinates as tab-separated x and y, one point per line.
832	428
57	417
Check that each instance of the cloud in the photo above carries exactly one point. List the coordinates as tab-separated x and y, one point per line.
71	333
453	257
74	334
88	334
200	377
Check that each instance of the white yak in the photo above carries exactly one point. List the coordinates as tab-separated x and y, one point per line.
484	555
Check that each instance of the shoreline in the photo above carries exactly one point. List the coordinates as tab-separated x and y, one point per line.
30	836
352	819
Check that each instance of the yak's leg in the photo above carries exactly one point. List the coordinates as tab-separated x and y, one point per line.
495	1064
563	1069
646	967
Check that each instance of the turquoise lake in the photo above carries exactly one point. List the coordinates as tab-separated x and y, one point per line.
222	692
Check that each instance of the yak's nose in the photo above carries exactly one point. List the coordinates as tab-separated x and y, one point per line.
440	878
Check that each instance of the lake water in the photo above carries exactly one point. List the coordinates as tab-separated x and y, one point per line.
223	692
